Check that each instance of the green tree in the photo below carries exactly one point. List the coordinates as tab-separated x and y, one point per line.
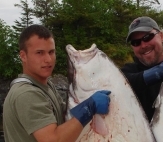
83	22
26	19
44	10
147	3
10	65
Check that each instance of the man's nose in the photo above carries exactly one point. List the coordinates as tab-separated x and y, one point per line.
47	58
144	44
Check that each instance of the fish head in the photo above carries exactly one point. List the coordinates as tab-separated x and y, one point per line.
84	71
77	62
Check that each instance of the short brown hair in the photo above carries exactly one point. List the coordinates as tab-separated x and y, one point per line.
39	30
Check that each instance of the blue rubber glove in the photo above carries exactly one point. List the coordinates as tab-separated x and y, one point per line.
98	103
154	74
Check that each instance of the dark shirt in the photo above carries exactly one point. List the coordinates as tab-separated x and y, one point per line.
145	93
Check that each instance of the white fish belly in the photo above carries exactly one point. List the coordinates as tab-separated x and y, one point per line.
157	120
126	121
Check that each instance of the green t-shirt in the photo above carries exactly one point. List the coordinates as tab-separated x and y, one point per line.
28	108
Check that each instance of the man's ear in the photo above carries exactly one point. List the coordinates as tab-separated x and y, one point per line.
23	55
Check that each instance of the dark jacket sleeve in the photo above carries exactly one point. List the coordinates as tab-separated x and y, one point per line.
134	77
145	93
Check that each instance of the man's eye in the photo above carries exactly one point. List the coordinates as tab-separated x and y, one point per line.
39	52
52	52
146	36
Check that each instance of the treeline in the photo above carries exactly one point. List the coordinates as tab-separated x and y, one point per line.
79	23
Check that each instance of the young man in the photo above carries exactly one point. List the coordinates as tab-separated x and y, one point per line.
33	111
146	73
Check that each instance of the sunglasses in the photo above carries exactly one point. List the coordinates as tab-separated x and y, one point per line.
146	38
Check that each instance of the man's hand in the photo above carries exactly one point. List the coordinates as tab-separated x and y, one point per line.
98	103
154	74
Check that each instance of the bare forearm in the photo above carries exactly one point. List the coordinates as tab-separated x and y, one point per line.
83	113
69	131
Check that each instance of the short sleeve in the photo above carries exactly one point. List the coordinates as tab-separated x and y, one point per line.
34	110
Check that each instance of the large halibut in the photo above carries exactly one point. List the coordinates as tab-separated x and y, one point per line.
91	70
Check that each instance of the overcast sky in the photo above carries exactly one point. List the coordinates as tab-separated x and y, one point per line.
9	13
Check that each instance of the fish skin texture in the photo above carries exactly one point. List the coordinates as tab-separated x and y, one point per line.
157	120
91	70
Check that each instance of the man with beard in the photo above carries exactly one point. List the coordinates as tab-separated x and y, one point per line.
145	74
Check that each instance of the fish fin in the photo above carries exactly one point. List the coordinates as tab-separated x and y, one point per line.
99	125
157	102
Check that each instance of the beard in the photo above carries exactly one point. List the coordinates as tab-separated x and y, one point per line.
149	62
